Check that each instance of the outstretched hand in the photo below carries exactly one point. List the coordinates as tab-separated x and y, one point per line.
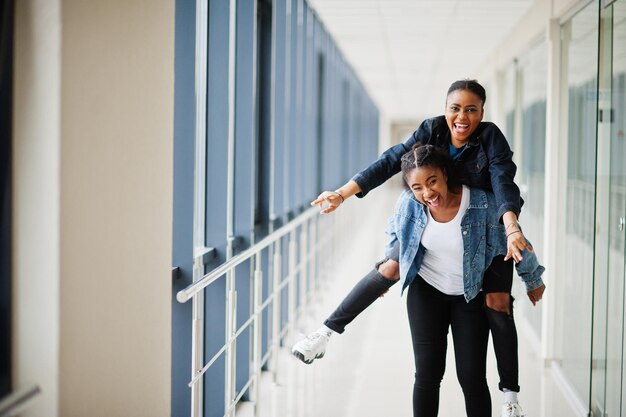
332	198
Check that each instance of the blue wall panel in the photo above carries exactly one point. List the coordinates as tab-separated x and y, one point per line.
216	197
182	222
303	123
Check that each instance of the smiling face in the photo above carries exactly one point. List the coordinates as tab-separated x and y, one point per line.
464	112
429	186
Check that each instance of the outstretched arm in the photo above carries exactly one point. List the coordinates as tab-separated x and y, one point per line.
334	198
379	171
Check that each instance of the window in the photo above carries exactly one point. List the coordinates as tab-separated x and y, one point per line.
579	44
6	66
263	118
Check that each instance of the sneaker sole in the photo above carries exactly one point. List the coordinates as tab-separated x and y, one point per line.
300	356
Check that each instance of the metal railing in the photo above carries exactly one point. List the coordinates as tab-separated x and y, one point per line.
307	252
18	401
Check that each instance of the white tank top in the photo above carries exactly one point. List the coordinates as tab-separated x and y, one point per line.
442	266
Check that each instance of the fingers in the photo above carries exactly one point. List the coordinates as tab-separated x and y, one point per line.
513	252
526	246
516	244
333	199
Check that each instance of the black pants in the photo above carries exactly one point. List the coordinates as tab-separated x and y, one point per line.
364	293
497	278
431	313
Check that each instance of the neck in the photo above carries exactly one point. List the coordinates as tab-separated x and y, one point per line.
457	143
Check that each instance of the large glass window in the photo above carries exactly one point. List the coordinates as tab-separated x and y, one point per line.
6	66
530	156
263	118
618	116
579	37
509	98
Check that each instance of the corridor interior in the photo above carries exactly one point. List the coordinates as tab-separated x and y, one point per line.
368	370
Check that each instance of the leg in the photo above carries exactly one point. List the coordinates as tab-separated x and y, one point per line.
499	307
364	293
470	333
429	319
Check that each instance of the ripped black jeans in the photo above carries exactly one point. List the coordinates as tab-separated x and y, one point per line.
497	278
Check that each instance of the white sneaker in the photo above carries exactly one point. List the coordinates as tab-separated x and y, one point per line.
512	410
311	347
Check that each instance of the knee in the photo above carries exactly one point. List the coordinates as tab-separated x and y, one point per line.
501	302
390	269
427	380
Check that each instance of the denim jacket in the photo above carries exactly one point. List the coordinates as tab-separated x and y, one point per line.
483	239
485	162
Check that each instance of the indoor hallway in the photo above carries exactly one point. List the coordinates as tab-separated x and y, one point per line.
368	370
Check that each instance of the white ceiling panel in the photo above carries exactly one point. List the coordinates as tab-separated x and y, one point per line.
407	52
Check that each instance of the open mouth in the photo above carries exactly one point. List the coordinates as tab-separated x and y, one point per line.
461	127
434	202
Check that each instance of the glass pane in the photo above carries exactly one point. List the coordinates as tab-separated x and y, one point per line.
509	84
579	103
617	119
606	374
530	158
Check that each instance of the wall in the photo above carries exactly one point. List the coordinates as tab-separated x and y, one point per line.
36	142
93	187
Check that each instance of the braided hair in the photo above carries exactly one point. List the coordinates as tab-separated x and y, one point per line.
428	155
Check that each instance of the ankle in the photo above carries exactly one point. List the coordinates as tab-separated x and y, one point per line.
509	396
327	331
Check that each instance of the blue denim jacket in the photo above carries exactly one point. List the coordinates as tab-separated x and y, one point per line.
483	239
485	162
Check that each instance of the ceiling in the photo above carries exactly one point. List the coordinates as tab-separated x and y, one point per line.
407	52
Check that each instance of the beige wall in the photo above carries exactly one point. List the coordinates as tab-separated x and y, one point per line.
36	201
93	200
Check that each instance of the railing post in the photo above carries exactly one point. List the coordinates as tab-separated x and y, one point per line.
197	341
257	332
230	353
292	313
292	277
304	265
314	258
276	310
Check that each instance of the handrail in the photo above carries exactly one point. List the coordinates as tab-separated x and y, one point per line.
18	400
186	294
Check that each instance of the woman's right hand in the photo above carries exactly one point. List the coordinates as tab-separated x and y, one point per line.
332	198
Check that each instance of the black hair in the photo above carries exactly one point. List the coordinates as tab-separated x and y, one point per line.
469	85
431	156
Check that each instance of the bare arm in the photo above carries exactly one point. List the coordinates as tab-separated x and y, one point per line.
335	198
515	241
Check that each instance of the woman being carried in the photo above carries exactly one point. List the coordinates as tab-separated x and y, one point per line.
482	158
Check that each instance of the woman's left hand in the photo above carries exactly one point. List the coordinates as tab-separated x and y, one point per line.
536	295
515	244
